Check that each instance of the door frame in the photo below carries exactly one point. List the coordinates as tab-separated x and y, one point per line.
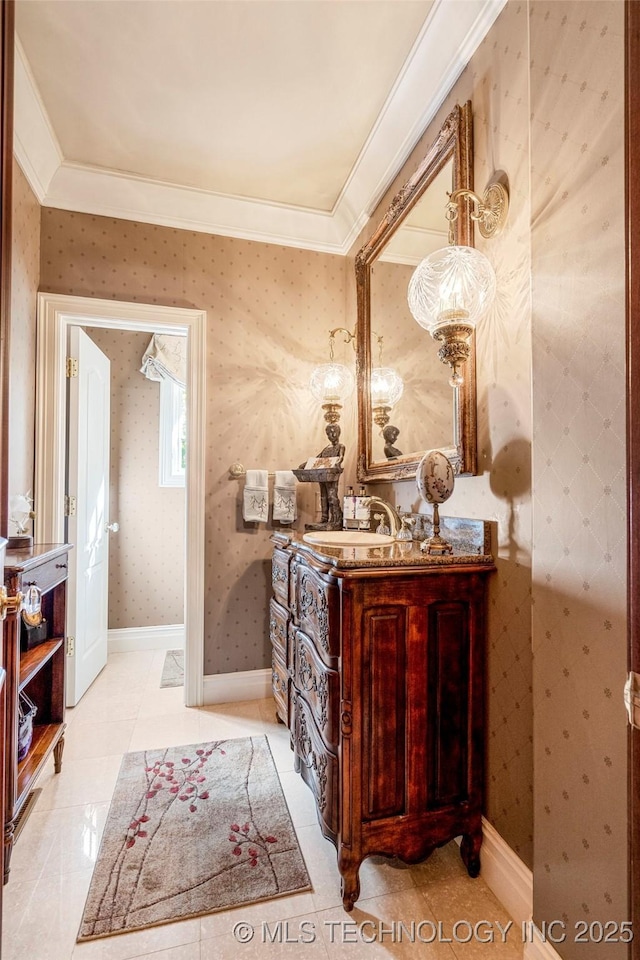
56	313
632	203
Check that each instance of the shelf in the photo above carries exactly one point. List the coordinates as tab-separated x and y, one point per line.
34	659
45	736
38	672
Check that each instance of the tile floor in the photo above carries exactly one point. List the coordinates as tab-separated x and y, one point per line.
51	867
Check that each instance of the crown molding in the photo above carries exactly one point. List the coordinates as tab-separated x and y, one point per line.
450	35
35	144
112	193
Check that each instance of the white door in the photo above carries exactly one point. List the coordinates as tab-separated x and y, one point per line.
88	484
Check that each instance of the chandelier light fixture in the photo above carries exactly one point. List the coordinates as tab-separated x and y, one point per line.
452	288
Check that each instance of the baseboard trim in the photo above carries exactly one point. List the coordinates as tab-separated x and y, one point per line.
231	687
129	639
506	875
539	949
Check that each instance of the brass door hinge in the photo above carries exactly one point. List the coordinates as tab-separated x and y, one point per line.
70	506
72	367
632	699
71	646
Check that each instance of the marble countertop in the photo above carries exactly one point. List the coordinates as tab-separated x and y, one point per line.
470	539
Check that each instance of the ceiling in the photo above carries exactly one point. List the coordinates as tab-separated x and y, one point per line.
272	120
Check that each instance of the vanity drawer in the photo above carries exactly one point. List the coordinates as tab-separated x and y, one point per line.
280	576
317	765
319	685
46	575
316	612
280	686
278	623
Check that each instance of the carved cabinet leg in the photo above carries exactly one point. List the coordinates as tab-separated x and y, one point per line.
57	755
350	881
470	851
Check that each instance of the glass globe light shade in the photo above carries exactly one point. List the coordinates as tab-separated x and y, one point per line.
454	285
331	383
386	387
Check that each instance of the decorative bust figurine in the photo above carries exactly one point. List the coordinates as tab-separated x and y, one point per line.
390	434
331	511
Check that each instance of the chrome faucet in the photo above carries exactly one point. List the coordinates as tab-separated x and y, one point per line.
391	513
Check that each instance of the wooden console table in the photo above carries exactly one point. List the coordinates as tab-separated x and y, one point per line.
39	672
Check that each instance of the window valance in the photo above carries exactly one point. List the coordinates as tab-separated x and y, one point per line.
166	359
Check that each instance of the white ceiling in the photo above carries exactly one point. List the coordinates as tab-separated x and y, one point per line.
275	120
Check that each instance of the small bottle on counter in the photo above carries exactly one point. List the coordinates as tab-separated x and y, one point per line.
362	510
348	508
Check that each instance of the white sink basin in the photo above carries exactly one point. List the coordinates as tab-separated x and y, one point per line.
347	538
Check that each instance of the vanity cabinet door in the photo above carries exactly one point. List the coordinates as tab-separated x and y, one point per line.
278	625
317	610
280	686
320	687
278	630
317	766
418	664
280	576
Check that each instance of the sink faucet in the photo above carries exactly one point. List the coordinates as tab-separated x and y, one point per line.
391	513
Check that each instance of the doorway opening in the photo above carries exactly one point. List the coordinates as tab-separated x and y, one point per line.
56	315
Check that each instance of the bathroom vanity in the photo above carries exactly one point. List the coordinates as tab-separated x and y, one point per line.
378	665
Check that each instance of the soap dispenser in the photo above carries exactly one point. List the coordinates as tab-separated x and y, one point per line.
348	508
362	510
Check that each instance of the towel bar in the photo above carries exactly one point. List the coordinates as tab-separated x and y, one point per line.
237	470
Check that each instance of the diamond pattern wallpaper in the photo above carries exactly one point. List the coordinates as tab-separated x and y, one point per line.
547	91
497	85
579	472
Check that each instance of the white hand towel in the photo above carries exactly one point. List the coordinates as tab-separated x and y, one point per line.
284	497
255	501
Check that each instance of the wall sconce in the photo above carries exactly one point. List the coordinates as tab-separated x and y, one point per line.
332	383
452	288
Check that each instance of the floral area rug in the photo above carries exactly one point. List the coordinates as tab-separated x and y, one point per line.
192	830
173	669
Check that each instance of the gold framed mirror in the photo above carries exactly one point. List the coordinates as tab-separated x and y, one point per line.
430	414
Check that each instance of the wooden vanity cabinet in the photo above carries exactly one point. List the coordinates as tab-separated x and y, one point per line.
38	671
378	671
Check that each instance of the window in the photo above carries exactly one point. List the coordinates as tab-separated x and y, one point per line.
173	434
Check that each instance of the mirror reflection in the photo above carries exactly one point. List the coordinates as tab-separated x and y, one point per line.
427	412
423	416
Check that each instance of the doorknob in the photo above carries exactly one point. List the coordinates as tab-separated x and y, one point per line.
113	527
9	604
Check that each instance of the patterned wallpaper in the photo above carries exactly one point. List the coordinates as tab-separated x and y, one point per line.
498	89
24	285
269	312
579	472
547	92
146	556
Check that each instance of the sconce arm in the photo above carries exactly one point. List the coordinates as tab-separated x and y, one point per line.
489	211
349	337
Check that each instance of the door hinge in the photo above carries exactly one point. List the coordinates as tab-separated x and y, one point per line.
71	646
69	506
632	699
72	367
